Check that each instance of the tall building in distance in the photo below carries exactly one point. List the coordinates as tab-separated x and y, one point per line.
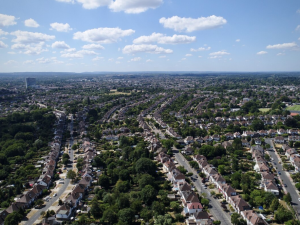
30	82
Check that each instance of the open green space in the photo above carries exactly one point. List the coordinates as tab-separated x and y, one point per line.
264	109
294	108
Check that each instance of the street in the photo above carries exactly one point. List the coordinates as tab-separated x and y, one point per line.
216	209
63	188
285	178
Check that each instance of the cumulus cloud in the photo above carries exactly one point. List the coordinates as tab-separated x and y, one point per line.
298	11
93	46
136	59
120	58
29	62
7	20
134	6
97	58
200	56
298	28
2	32
11	53
60	27
163	39
60	44
93	4
10	62
103	35
188	55
49	60
72	53
162	56
132	49
2	45
26	37
283	46
189	24
149	60
238	40
279	54
262	53
30	49
200	49
31	23
219	53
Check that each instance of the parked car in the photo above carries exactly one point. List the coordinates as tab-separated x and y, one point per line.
55	195
285	185
279	172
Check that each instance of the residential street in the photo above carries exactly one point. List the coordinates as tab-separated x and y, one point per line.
285	178
216	209
62	189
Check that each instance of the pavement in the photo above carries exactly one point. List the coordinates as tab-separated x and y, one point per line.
285	177
61	189
216	209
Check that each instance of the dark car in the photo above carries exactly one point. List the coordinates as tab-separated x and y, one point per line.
285	185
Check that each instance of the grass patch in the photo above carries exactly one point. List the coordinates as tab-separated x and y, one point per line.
118	93
264	109
294	108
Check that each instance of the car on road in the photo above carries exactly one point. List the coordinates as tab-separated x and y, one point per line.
274	163
55	195
279	172
285	185
65	168
299	199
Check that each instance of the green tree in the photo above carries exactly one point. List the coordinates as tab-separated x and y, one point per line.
71	175
109	216
126	216
221	169
146	179
287	198
163	220
104	181
148	194
145	165
274	205
13	219
95	209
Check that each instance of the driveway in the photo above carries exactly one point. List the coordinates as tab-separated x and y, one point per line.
216	209
285	178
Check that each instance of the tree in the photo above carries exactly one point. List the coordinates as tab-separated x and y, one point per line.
205	201
146	179
95	209
13	218
71	175
287	198
110	216
104	181
274	205
221	169
282	215
126	216
257	124
163	219
145	165
39	202
148	194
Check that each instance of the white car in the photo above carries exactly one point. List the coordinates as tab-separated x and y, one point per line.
55	195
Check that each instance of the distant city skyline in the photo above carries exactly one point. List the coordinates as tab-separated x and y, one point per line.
149	35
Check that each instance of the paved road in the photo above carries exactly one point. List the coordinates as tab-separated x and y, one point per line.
60	191
285	178
216	209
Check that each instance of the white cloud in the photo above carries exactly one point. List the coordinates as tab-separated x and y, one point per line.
97	58
162	56
7	20
238	40
136	59
200	49
93	46
72	53
163	39
134	6
219	53
298	27
2	45
26	37
149	60
11	53
29	62
102	35
49	60
111	59
132	49
283	46
30	49
262	53
10	62
60	27
67	1
188	55
117	62
279	54
189	24
60	44
215	57
298	11
119	58
31	23
183	59
3	32
200	56
93	4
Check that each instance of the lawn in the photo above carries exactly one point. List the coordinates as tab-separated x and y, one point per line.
294	108
264	109
115	92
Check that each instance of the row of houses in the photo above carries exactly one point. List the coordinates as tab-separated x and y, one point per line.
192	208
146	111
228	192
73	199
45	180
293	156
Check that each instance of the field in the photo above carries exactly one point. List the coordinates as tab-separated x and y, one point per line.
115	92
294	108
264	109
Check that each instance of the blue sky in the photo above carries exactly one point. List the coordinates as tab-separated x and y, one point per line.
149	35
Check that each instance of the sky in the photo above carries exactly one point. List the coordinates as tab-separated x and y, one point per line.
149	35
